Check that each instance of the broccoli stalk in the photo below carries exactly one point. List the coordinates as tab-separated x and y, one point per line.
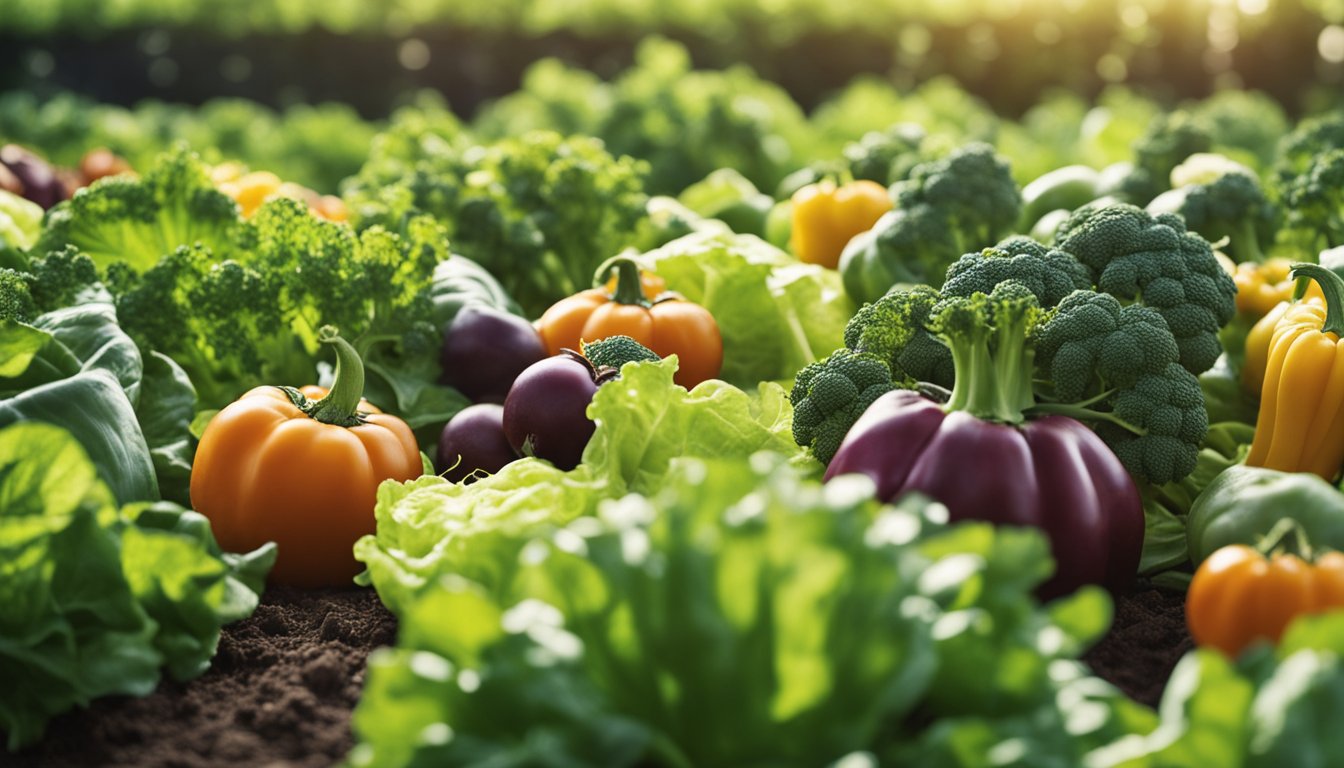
994	361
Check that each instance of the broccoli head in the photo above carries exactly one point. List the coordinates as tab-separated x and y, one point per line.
1310	138
829	395
893	329
886	156
1169	139
1158	425
1092	338
1315	201
137	220
616	351
57	279
974	190
908	245
16	301
1232	206
1154	260
1050	275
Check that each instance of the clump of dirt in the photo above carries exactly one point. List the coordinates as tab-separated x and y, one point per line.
279	693
1147	638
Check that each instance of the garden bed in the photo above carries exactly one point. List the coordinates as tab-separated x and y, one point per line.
281	689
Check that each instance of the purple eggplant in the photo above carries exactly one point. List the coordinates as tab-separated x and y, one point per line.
545	414
40	183
474	440
485	349
1052	473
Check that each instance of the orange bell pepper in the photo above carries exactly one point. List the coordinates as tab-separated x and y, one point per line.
826	217
667	324
1241	594
277	466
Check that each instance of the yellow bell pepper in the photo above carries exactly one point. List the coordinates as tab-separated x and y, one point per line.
1262	333
1301	422
1261	286
826	217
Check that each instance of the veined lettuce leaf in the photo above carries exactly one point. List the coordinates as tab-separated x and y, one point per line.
96	599
429	527
775	313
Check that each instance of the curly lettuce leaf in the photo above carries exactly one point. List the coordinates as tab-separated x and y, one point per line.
776	314
429	527
644	421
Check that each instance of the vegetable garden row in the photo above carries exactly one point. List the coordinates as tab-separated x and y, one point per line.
677	427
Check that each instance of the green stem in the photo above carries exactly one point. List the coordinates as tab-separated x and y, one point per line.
1248	248
976	387
342	401
1332	286
1014	365
1288	536
1086	414
628	287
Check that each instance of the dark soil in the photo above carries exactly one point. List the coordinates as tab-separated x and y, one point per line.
279	694
1147	638
280	691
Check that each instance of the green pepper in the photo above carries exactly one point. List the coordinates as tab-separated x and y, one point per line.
1063	188
460	282
1243	503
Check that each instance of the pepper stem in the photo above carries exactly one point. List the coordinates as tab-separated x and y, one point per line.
1287	536
342	400
629	290
1332	286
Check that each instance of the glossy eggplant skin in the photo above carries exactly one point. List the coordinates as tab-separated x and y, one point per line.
546	411
1052	473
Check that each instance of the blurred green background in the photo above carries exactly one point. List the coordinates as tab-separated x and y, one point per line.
369	53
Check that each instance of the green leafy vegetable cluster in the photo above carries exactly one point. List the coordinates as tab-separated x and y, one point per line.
823	625
539	211
99	598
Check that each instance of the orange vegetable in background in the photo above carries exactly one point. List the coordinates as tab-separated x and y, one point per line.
277	466
826	217
665	323
1240	594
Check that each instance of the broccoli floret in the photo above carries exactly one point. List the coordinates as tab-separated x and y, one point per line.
1315	201
138	220
972	188
988	336
1164	424
58	278
1091	336
16	301
1169	139
1232	206
886	156
616	351
1310	138
893	329
1155	260
1049	274
829	395
1249	121
911	245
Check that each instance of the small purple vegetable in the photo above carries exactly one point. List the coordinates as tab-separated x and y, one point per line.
545	414
485	349
39	180
474	440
